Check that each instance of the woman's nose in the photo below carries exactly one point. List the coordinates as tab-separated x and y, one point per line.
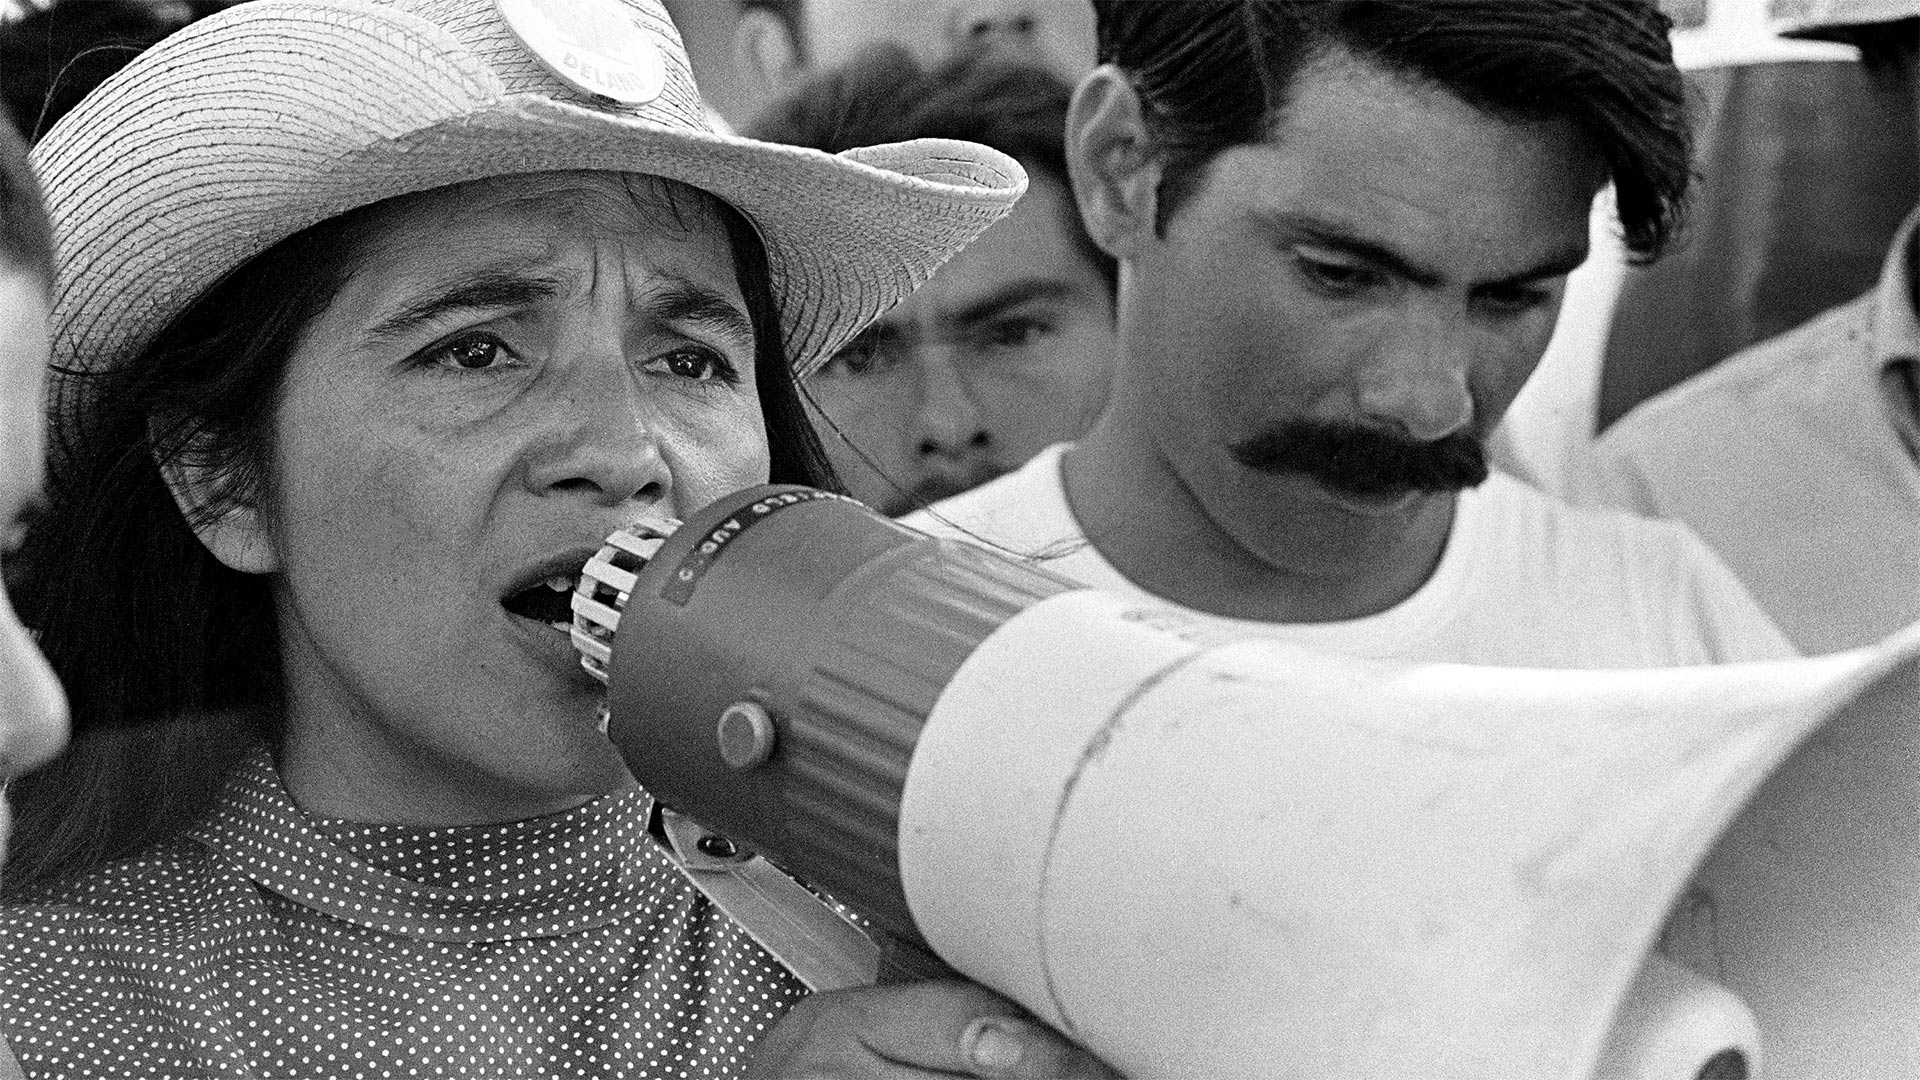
605	447
33	708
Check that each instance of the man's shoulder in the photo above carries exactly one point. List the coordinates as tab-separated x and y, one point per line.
1524	524
1650	586
1768	371
1518	504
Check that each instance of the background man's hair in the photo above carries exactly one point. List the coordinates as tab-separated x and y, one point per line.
884	95
26	238
1212	74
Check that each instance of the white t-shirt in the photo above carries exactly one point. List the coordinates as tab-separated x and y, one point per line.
1525	581
1789	459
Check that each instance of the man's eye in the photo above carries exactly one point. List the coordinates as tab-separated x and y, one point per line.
1514	300
862	356
699	365
476	353
1336	277
1016	333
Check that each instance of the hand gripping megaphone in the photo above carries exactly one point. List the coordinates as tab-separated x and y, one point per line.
1201	855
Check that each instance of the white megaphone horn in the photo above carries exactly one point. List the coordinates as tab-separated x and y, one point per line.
1199	855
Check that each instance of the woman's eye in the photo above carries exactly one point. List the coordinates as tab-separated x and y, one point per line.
699	365
478	353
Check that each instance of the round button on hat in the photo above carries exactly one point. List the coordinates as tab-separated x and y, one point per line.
592	45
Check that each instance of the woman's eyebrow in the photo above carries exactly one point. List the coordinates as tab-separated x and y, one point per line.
488	288
682	302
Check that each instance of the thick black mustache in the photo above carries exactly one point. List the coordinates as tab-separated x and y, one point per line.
1366	461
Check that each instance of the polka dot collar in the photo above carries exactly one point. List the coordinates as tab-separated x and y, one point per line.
543	877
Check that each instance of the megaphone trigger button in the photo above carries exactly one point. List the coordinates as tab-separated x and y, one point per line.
746	735
717	847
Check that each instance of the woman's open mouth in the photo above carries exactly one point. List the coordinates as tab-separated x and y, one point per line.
550	601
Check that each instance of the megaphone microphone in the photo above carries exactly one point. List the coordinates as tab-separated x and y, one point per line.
1200	854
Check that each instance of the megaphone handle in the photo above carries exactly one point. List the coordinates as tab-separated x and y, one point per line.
810	936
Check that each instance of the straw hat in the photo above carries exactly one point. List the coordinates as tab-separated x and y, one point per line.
253	124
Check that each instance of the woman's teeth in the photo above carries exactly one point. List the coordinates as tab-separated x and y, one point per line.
559	583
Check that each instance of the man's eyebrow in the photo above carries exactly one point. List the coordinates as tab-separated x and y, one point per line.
490	287
1330	235
1560	264
1011	293
678	301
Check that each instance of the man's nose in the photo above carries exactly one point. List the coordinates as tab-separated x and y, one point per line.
997	25
949	423
1420	380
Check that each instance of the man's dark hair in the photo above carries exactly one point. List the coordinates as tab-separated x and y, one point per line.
1212	74
884	95
26	240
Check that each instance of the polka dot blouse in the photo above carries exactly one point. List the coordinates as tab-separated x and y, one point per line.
268	944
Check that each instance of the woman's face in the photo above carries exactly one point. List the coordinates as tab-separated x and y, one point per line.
33	710
515	368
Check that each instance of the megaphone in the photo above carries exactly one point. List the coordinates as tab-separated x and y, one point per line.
1199	854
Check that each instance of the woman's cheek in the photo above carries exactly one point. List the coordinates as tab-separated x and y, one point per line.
719	459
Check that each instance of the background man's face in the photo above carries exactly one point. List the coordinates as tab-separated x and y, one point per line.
1386	266
1056	33
1006	351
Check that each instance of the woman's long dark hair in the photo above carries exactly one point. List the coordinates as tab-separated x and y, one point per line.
170	659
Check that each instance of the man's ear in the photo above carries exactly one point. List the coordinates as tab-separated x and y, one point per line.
234	532
765	53
1110	158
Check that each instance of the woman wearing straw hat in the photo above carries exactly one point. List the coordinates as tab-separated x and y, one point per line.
373	320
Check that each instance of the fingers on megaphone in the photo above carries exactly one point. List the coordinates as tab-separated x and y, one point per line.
941	1028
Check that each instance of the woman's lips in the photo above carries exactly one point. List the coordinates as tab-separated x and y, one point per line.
551	645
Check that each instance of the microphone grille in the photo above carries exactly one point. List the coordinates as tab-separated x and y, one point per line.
605	584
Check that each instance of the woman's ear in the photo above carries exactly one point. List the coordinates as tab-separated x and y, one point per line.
233	531
1110	158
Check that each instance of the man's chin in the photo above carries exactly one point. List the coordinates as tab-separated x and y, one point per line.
932	490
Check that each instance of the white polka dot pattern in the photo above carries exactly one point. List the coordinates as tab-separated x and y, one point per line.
266	944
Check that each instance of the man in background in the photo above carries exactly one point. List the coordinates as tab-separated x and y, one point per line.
1009	348
1798	459
1343	232
746	53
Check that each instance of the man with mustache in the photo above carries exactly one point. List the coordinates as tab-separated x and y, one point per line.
1344	229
